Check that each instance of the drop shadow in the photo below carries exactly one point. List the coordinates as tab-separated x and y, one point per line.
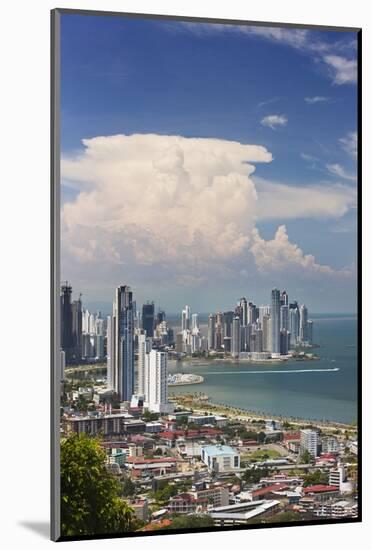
42	528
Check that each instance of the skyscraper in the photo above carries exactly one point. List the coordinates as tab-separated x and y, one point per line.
303	327
236	337
284	321
228	317
294	326
219	330
275	321
148	318
284	341
195	324
77	328
243	306
121	344
186	318
144	347
252	313
284	298
211	332
265	328
66	321
310	331
157	373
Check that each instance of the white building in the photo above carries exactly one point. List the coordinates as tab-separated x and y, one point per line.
338	477
309	442
156	381
144	347
220	458
330	444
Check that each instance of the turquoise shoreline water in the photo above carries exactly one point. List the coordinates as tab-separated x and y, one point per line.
324	390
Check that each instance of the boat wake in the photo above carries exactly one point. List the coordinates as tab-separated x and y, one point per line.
296	371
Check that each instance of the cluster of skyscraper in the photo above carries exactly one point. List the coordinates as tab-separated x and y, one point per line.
124	333
190	340
272	329
247	331
82	332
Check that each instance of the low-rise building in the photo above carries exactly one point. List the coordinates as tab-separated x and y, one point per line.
337	510
321	492
220	458
140	507
240	514
140	467
200	420
184	503
215	495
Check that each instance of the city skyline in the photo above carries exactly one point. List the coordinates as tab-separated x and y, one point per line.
228	190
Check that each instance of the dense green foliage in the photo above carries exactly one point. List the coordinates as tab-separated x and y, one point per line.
306	457
149	416
90	502
316	478
253	475
191	522
127	487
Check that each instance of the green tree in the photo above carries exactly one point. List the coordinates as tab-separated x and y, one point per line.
90	502
316	478
127	487
283	517
253	475
192	521
149	416
306	457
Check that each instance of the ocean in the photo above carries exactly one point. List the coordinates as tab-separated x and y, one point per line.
325	389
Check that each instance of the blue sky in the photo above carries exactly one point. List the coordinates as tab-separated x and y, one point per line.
292	92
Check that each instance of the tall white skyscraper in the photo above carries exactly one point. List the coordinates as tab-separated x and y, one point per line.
186	318
144	347
294	325
303	330
157	372
275	321
195	324
121	344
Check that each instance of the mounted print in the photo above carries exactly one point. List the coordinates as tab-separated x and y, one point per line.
205	313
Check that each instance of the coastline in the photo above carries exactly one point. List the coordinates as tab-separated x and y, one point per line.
199	405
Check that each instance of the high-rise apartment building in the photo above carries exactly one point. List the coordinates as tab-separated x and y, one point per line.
148	318
236	337
303	326
211	331
186	318
66	321
157	374
309	442
275	321
121	344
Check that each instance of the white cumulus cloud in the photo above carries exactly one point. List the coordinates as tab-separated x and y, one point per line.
344	71
279	254
186	208
273	121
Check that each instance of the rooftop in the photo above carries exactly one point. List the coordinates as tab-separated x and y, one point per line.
218	450
320	489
